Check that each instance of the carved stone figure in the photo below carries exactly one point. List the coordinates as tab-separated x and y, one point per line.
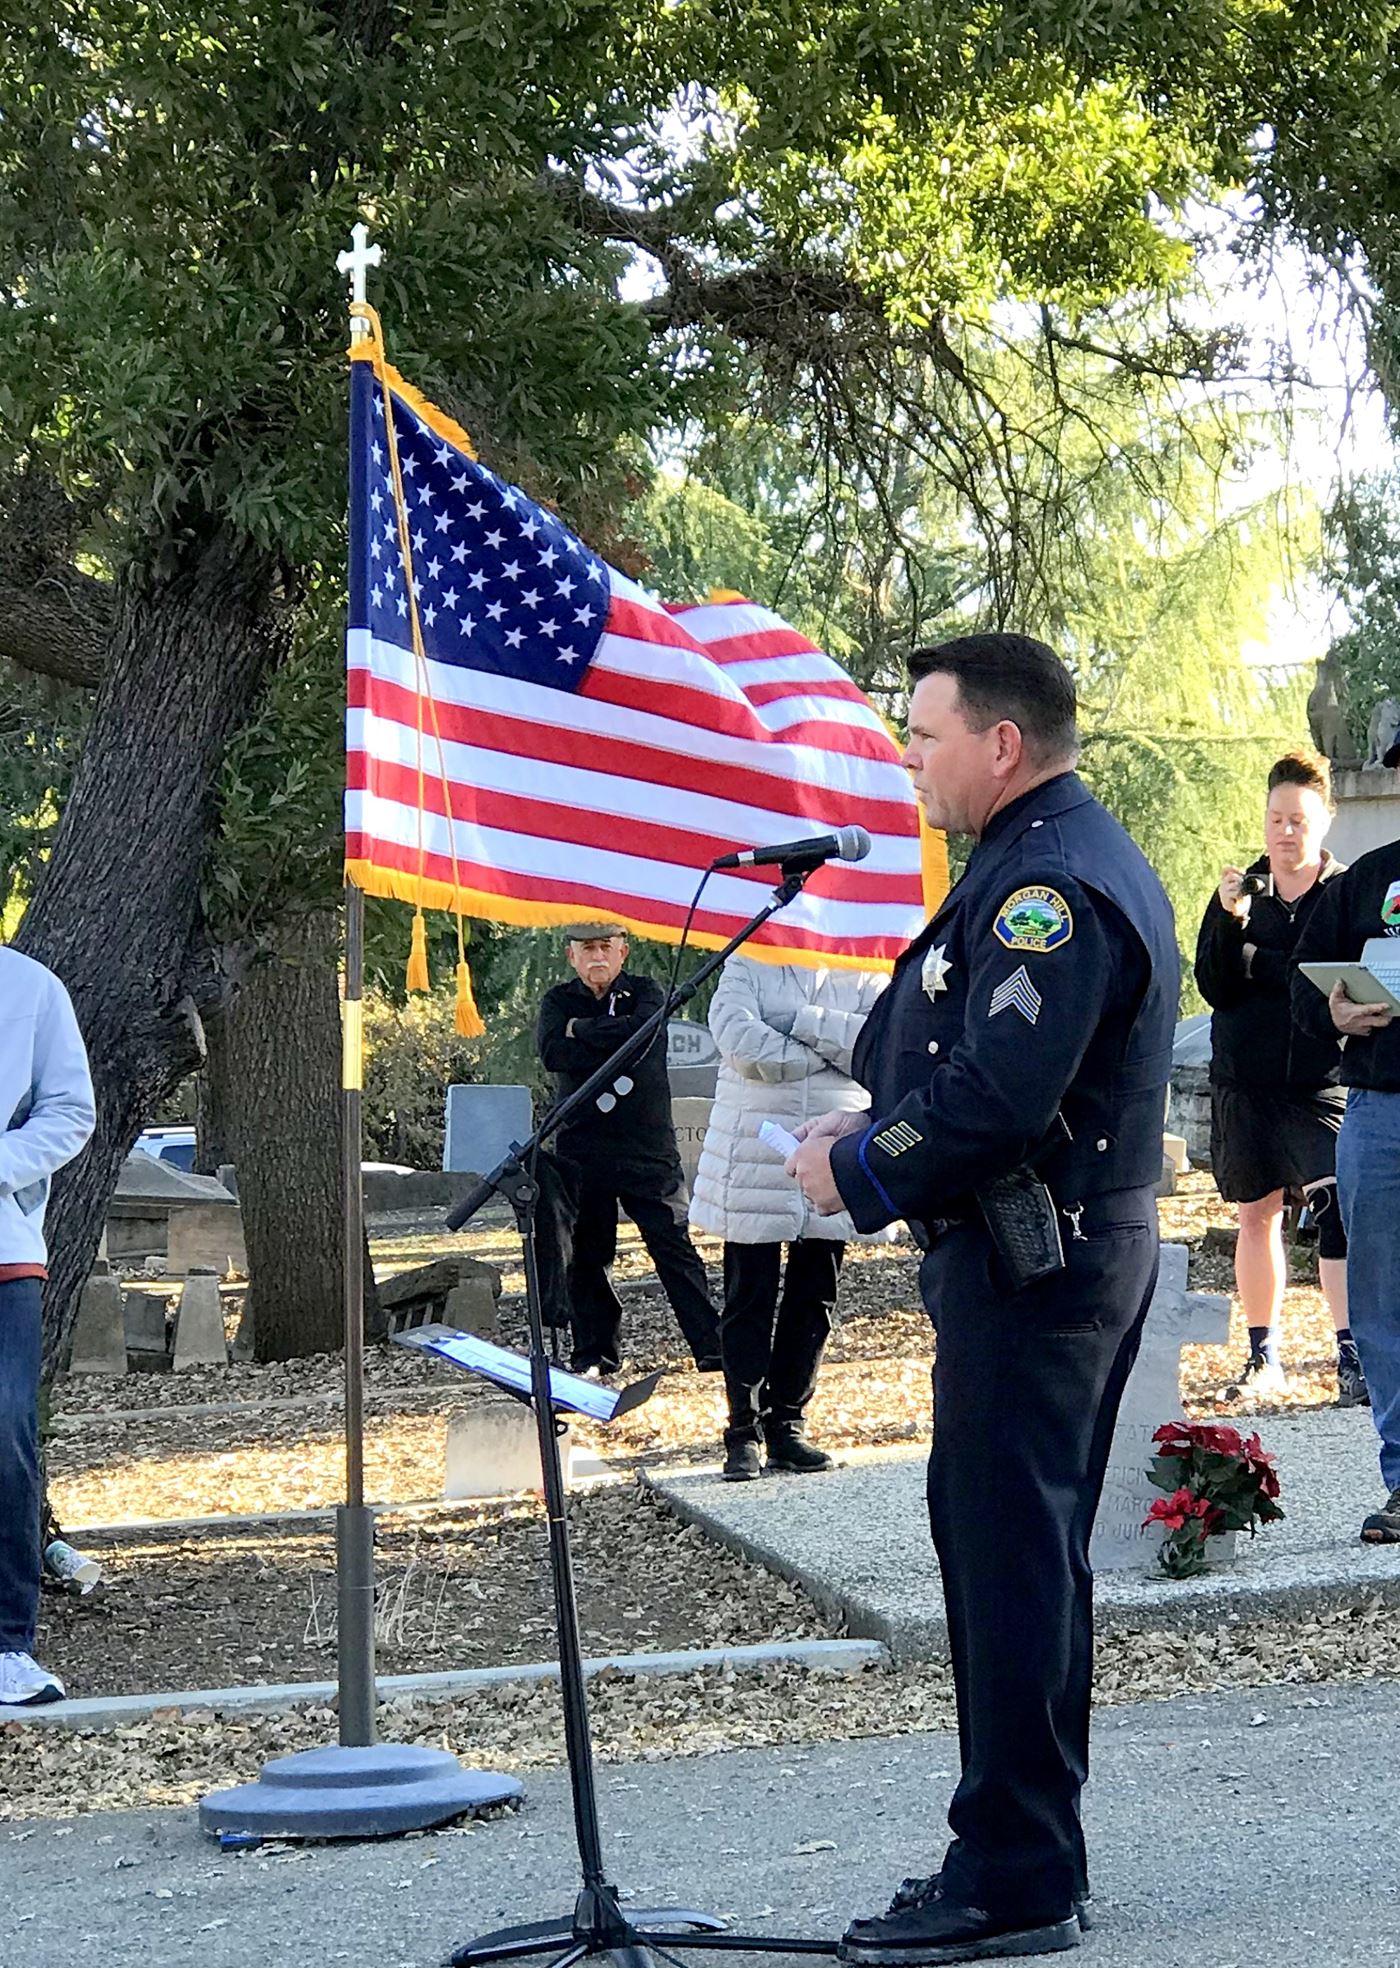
1327	714
1382	732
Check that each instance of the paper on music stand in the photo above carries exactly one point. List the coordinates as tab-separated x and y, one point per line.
512	1371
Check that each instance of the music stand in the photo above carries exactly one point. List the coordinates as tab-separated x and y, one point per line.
598	1925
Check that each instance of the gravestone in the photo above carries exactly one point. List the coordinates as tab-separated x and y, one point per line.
1177	1318
143	1321
1188	1094
493	1449
691	1117
692	1060
206	1236
199	1323
482	1122
99	1339
451	1291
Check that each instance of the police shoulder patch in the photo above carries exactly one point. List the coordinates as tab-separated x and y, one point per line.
1034	918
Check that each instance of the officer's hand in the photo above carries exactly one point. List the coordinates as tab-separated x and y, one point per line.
1233	900
830	1127
1356	1021
811	1167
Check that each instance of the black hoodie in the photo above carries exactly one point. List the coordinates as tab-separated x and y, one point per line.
1351	912
1254	1040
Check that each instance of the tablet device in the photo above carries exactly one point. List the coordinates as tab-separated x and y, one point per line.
1362	986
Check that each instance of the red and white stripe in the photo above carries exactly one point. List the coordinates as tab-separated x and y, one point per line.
697	730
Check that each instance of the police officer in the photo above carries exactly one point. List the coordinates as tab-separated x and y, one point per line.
620	1148
1028	1028
1358	906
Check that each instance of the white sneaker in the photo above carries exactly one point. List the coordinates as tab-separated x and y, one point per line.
24	1684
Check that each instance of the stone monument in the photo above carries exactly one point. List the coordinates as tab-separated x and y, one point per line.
99	1338
482	1122
1177	1318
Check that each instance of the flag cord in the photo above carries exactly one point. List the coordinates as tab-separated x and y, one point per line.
468	1019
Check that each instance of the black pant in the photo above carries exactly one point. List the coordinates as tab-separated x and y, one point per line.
661	1219
1026	1392
770	1364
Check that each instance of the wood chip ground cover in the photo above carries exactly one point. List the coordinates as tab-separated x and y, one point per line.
173	1759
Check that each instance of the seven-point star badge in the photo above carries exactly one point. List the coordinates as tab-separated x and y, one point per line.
935	970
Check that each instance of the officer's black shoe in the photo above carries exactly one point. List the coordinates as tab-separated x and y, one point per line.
936	1930
741	1462
791	1452
915	1892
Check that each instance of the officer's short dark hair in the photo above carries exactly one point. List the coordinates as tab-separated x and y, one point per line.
1012	677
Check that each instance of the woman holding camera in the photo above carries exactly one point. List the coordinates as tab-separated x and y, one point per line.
1276	1107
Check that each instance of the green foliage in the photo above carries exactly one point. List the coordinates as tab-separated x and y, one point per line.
40	730
1364	537
412	1055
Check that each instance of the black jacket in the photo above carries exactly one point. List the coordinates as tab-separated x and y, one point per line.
1045	985
1348	916
635	1138
1254	1041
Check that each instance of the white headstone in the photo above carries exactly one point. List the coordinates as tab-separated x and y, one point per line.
1177	1318
493	1449
690	1118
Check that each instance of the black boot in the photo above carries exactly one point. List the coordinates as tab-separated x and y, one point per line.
741	1462
934	1931
791	1452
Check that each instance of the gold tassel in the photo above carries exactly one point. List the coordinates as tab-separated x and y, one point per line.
417	978
469	1019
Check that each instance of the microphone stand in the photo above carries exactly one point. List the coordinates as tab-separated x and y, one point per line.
598	1925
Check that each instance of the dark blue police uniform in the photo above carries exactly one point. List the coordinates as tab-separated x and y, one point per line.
1032	1022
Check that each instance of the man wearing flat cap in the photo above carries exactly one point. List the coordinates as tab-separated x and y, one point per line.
619	1149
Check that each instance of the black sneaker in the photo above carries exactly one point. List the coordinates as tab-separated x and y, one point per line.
1383	1525
1352	1391
794	1455
741	1463
916	1892
935	1930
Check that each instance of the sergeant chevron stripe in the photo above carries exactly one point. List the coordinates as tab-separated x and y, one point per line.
1018	994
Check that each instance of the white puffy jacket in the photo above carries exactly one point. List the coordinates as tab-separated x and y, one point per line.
46	1110
785	1035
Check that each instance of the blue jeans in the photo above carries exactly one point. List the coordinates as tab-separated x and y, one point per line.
1368	1189
21	1325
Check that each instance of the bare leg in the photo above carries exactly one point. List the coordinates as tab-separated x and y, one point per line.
1260	1267
1334	1289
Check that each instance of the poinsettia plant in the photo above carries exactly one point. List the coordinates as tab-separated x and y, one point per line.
1217	1480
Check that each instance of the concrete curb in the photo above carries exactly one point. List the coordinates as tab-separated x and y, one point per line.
1124	1602
115	1711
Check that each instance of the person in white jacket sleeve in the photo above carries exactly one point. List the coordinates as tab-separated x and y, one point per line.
46	1116
785	1035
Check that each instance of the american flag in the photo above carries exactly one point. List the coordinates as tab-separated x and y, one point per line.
570	746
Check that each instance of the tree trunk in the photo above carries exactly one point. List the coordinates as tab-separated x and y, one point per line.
282	1098
213	1100
117	915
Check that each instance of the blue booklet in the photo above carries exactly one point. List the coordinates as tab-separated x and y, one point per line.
512	1371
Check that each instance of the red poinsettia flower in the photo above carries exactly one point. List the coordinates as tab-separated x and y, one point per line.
1219	1441
1175	1438
1172	1511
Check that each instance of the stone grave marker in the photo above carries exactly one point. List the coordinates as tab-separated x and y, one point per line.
452	1291
691	1117
1177	1318
482	1122
143	1320
99	1337
199	1323
692	1060
493	1449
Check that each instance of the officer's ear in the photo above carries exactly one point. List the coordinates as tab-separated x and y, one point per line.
1008	747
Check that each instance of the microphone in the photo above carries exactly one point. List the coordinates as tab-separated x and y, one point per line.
847	844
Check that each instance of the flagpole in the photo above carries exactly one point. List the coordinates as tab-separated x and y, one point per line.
354	1523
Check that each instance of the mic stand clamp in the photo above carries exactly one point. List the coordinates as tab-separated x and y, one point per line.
598	1926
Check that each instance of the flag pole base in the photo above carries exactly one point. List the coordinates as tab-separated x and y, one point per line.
378	1791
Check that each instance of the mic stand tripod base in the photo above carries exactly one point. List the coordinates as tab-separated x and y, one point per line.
600	1929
